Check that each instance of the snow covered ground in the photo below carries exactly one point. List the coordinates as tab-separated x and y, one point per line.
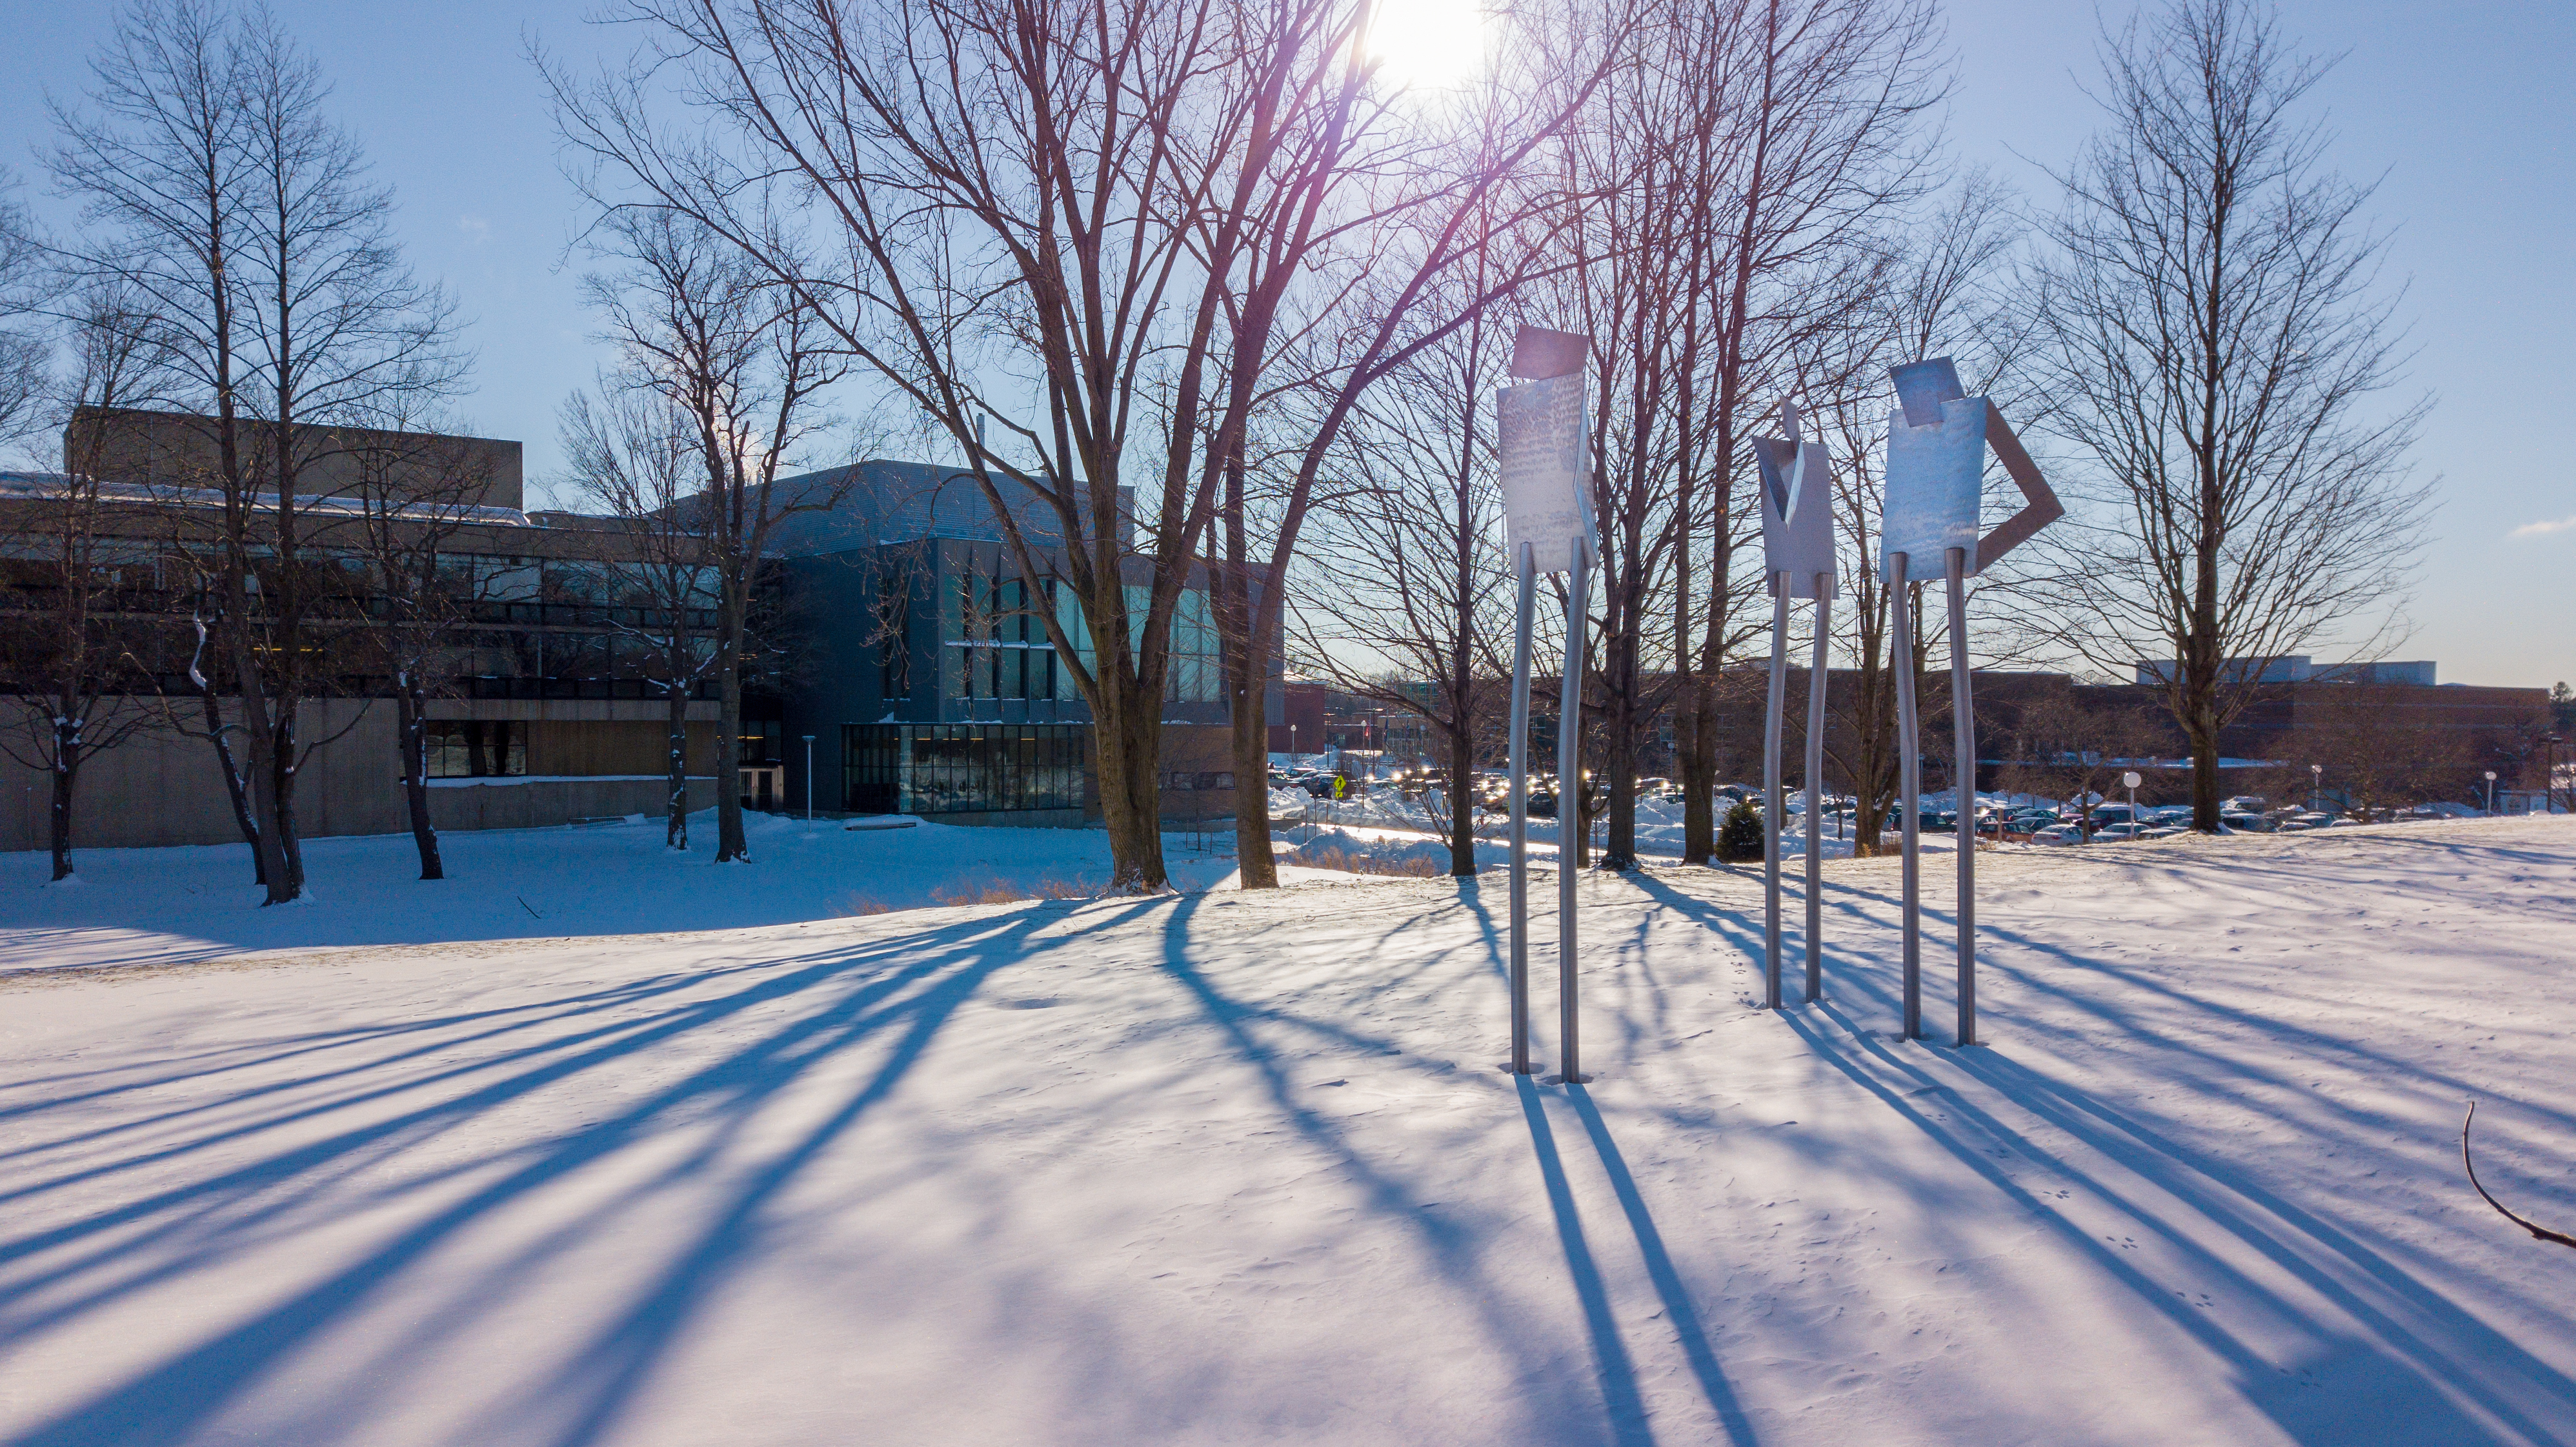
1217	1168
135	906
1381	813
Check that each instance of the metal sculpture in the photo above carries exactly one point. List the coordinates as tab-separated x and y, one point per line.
1544	446
1936	462
1797	562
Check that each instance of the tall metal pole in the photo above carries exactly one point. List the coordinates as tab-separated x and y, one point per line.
1569	802
1963	767
1815	795
1909	792
1772	807
809	783
1527	611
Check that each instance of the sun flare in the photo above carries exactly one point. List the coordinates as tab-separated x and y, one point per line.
1428	44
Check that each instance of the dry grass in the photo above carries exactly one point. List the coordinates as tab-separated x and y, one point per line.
997	892
1348	862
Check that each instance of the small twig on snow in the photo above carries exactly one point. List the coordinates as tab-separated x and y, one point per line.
2541	1232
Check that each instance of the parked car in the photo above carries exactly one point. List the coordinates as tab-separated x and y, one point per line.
2059	834
1542	804
2119	832
2160	831
2248	823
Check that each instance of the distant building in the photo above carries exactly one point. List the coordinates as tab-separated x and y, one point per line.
548	717
2295	668
926	676
898	638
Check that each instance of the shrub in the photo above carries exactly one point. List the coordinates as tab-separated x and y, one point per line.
1739	838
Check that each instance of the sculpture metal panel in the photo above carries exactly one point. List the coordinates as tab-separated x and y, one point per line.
1798	558
1547	502
1937	439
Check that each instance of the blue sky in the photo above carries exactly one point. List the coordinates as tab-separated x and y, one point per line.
2461	109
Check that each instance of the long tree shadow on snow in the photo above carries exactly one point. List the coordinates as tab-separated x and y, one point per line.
2410	1355
879	993
1453	1248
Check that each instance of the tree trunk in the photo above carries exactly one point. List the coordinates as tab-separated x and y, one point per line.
730	845
1252	852
282	821
1695	761
243	818
412	725
676	832
264	772
2203	735
1618	771
1462	793
1126	750
1242	660
67	762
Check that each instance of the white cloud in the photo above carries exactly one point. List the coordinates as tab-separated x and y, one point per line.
2544	529
477	231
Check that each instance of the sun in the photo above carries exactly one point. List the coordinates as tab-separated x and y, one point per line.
1428	44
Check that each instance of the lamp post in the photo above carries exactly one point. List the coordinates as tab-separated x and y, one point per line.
2490	791
1292	746
2317	788
2131	781
809	783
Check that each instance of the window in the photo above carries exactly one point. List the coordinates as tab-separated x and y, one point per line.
960	768
477	748
1195	675
1002	650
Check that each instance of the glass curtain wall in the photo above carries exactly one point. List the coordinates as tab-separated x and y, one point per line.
961	768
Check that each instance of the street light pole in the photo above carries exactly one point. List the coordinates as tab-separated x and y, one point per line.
2491	791
2317	788
2549	781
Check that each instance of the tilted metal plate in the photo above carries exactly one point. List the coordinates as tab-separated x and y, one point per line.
1935	476
1797	513
1543	443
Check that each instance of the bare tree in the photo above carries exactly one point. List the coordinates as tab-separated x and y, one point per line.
1828	140
220	191
2072	748
2379	747
636	456
1404	591
73	642
710	331
1014	194
23	346
2219	347
1935	291
415	491
1081	224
